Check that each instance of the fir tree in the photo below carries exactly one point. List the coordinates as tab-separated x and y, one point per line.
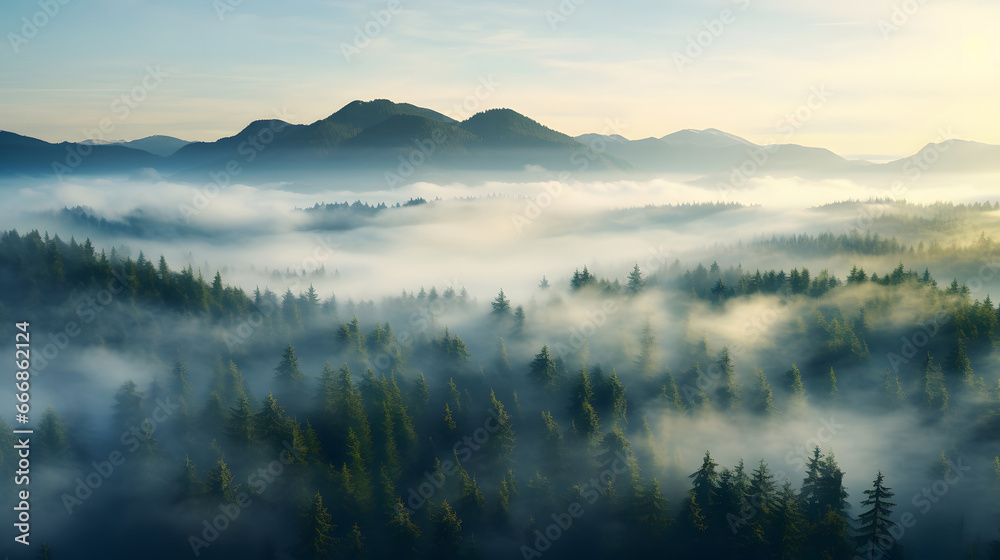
764	397
52	437
315	528
635	281
793	383
543	370
874	525
729	392
500	305
240	427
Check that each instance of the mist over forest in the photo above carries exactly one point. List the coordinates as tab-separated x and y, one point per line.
533	368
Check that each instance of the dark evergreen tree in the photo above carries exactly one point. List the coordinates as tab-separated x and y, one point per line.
315	528
542	370
874	538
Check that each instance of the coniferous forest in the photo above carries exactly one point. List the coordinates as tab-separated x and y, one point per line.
499	280
680	410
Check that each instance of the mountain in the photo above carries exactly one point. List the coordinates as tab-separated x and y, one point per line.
709	138
22	155
163	146
160	145
950	156
363	114
712	152
380	138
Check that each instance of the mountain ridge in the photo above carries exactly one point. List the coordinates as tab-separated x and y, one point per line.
378	134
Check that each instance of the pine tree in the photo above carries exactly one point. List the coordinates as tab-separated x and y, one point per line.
288	372
404	532
315	527
831	492
832	392
214	414
502	365
619	405
449	421
229	383
651	513
830	538
447	530
874	525
585	420
271	424
500	446
935	392
647	347
128	405
500	304
764	398
729	392
241	424
471	499
355	544
553	450
811	486
892	389
543	370
52	437
179	384
793	383
790	529
454	397
420	395
635	281
190	486
220	482
360	481
706	482
671	396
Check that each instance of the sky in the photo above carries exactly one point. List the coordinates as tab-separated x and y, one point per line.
865	78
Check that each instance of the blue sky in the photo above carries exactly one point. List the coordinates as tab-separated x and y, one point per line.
599	67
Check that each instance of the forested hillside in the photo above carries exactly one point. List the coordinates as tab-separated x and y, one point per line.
591	420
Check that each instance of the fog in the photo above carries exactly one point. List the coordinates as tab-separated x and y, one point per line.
467	241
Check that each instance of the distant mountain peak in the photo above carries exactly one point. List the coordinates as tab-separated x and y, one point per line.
709	137
367	113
